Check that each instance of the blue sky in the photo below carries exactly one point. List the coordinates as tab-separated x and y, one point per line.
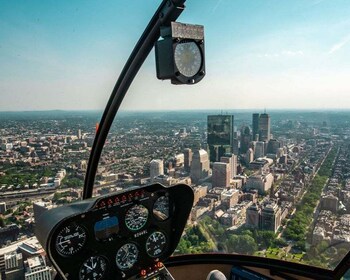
259	54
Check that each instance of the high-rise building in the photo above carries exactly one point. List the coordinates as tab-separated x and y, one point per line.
249	156
188	159
220	135
246	137
271	217
200	165
231	159
36	269
156	168
256	118
259	150
264	127
253	214
221	174
79	134
14	268
261	127
273	146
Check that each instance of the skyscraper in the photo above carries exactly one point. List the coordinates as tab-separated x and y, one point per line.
256	117
188	159
221	174
36	269
199	166
259	150
220	135
264	127
231	159
271	217
156	168
261	127
246	137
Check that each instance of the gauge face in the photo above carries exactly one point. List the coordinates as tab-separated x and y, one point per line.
136	217
188	58
127	256
161	208
70	240
93	268
155	244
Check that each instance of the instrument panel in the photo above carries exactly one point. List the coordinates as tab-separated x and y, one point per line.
119	236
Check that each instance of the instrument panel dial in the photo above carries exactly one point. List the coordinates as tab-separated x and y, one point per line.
70	240
127	256
155	244
136	217
93	268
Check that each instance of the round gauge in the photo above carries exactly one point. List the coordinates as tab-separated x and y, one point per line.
155	244
188	58
127	256
136	217
93	268
70	240
161	208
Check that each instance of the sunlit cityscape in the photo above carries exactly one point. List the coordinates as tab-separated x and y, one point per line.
269	184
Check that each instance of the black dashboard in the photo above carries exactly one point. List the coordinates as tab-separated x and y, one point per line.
117	236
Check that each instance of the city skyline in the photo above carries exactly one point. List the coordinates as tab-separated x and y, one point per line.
258	55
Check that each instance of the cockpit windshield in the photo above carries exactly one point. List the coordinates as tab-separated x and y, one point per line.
263	139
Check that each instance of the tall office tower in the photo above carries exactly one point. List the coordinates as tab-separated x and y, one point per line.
264	127
231	159
221	175
156	168
249	156
271	217
246	137
273	146
261	127
256	118
36	269
14	268
235	146
220	135
199	166
259	149
79	134
188	159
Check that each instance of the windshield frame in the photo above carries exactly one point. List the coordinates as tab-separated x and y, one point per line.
169	10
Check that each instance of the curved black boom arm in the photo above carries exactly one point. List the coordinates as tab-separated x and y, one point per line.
168	11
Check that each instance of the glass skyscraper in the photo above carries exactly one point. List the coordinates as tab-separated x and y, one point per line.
220	135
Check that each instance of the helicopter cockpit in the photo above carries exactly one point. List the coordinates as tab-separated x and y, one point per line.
173	187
